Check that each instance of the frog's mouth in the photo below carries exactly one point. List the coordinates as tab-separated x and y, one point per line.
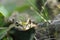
26	27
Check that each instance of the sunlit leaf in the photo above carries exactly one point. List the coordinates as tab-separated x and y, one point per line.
7	7
3	11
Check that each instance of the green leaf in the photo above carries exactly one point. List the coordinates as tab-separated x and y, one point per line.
3	11
7	38
32	3
2	33
22	8
1	20
7	7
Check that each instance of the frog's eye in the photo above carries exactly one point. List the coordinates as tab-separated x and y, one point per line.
17	24
11	20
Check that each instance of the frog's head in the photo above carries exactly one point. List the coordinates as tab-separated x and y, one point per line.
23	26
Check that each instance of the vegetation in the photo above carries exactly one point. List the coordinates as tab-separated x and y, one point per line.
29	20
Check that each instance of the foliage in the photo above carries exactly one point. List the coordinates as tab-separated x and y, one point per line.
29	6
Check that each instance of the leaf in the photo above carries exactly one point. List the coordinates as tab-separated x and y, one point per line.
7	38
22	8
32	3
2	33
3	11
1	20
7	7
